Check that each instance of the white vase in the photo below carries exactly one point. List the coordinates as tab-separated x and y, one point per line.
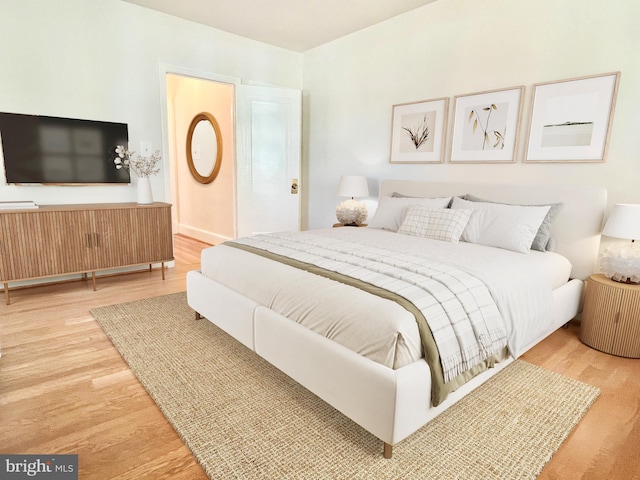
145	195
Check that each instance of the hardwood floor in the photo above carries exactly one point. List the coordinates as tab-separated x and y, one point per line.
606	443
65	389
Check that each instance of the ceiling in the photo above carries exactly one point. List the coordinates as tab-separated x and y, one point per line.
296	25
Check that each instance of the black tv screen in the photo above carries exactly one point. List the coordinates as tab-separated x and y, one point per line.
39	149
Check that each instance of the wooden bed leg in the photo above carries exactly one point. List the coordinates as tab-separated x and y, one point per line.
198	316
387	450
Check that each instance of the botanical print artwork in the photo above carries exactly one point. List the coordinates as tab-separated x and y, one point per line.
418	131
486	127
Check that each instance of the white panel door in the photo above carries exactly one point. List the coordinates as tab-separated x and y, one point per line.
268	124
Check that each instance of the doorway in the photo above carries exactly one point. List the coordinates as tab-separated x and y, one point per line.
205	212
257	187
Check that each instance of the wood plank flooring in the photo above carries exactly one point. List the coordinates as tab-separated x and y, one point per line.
65	389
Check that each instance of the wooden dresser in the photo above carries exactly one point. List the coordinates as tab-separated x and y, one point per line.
58	240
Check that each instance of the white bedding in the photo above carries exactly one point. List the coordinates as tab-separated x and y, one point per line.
380	329
391	337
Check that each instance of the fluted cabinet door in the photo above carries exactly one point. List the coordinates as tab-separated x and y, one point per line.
150	229
112	230
611	317
627	342
599	316
66	243
132	236
4	247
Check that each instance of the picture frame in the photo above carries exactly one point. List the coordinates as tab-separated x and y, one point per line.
486	126
418	131
571	119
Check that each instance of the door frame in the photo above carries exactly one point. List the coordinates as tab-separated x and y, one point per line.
165	69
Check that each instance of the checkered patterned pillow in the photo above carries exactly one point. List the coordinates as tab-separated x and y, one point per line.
436	223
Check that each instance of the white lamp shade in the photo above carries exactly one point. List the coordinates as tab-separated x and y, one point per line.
353	186
623	222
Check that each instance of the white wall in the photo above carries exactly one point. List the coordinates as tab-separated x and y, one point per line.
455	47
100	60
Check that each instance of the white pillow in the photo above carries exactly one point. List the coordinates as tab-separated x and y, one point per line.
512	227
542	240
437	223
391	210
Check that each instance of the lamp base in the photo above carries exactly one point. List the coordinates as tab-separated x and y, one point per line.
351	212
622	264
627	280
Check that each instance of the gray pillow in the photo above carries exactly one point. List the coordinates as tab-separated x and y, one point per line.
543	236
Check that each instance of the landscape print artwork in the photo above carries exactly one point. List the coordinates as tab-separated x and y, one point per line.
570	119
418	131
485	126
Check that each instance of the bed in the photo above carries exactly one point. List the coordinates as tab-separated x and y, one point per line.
305	315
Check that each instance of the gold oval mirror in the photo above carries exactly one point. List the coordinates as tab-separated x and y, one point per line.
204	147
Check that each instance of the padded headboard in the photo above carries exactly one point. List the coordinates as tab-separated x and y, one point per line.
576	229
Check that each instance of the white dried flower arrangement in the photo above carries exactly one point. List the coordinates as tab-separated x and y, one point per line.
142	166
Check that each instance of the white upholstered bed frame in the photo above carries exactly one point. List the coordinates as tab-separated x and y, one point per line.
392	404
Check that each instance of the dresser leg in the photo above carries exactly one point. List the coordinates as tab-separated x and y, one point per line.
387	450
6	293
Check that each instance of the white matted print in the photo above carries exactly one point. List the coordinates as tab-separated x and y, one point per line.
571	119
485	126
418	131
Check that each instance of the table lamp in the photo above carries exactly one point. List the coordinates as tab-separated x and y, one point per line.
622	262
351	212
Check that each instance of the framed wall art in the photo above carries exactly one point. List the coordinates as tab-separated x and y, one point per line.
485	126
571	119
418	131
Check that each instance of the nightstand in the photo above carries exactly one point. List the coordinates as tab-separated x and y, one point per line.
611	317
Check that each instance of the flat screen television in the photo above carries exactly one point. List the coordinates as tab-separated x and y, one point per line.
54	150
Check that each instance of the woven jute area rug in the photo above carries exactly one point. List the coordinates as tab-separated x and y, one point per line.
244	419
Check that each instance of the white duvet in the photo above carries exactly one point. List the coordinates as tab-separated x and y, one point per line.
379	329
